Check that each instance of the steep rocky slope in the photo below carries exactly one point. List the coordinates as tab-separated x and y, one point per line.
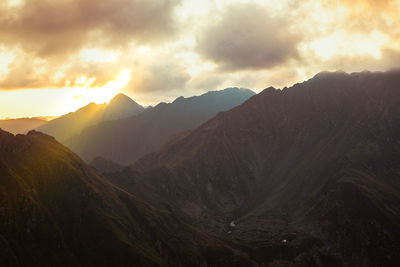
315	166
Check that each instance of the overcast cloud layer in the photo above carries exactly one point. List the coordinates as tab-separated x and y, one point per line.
174	48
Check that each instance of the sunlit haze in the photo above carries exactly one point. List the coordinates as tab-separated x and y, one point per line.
155	51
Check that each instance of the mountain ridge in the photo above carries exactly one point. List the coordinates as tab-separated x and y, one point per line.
320	158
63	127
123	141
56	210
304	176
22	125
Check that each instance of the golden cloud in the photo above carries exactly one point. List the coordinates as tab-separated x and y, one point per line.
87	43
53	27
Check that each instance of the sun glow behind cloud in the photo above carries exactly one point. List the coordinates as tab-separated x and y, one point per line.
14	3
5	59
13	103
184	48
101	94
98	55
345	44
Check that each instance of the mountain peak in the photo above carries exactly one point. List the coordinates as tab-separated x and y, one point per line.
232	90
121	97
127	140
122	106
235	89
324	74
178	99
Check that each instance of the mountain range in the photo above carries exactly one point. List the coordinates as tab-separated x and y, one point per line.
64	127
57	211
22	125
126	140
307	175
304	176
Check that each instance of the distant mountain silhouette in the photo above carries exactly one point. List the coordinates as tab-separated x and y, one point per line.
304	176
64	127
57	211
126	140
121	106
21	125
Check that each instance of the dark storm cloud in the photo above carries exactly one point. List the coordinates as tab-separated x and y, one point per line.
49	27
248	37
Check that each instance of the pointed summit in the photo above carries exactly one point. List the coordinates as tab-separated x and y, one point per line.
120	98
124	141
64	127
122	106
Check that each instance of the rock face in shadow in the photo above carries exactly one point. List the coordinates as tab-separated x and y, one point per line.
317	165
57	211
66	126
124	141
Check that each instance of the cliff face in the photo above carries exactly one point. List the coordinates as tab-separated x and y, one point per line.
320	158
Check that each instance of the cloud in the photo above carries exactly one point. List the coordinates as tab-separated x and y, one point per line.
172	52
392	57
381	5
152	71
366	15
389	59
27	71
207	81
54	27
349	35
159	77
48	38
248	37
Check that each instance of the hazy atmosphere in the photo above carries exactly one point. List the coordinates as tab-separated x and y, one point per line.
188	133
57	56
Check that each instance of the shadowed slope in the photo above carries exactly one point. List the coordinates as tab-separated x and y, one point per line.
321	158
57	211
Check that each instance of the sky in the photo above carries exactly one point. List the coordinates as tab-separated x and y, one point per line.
59	55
